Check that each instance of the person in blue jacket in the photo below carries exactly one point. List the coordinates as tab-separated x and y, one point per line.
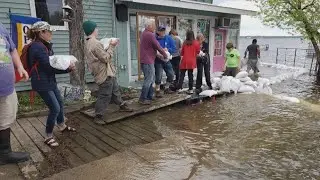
168	44
43	79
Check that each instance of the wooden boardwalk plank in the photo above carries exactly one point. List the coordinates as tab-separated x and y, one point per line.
73	159
89	146
81	152
130	130
109	133
133	125
28	169
27	143
34	135
131	137
97	142
108	140
140	109
147	125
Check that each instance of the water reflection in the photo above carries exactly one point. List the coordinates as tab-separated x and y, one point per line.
239	137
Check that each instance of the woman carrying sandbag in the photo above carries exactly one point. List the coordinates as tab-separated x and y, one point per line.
43	79
190	50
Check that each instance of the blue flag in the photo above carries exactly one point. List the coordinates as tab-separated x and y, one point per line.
19	26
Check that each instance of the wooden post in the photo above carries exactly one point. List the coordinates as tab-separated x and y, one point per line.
295	55
277	55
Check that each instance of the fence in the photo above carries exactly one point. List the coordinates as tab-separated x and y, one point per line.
296	57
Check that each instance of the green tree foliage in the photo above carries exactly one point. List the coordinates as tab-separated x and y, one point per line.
296	16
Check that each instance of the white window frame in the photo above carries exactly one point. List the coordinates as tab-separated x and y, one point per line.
34	14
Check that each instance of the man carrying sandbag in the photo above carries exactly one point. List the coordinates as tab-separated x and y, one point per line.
254	55
101	66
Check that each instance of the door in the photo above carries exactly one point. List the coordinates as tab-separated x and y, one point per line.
219	50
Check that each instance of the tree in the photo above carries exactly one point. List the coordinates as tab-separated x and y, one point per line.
299	16
76	42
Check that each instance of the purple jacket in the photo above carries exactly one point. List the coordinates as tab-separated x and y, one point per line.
149	47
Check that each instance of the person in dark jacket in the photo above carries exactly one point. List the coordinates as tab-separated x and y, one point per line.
43	78
168	44
254	55
203	63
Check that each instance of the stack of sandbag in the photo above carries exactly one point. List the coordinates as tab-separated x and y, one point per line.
62	62
247	85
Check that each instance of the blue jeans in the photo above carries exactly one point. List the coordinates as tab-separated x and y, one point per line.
54	102
147	87
167	67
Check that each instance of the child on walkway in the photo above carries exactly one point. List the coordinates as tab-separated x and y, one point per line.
190	50
102	68
232	61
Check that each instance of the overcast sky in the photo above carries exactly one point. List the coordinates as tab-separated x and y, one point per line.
251	26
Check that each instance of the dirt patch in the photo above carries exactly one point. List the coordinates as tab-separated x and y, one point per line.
56	161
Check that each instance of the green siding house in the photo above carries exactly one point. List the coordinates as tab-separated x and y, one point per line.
218	24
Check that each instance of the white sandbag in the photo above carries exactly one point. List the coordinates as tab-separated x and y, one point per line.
106	42
253	84
235	85
263	81
62	62
242	74
246	89
208	93
201	54
244	62
245	79
226	84
168	55
262	89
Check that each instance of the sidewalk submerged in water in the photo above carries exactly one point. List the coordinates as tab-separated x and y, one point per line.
141	162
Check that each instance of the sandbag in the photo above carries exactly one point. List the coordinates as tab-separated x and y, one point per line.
235	85
106	42
246	89
226	84
168	55
242	74
208	93
263	81
62	62
243	62
245	79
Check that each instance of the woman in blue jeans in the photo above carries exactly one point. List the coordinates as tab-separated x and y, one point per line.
43	78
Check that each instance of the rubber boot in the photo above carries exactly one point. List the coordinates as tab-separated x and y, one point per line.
6	154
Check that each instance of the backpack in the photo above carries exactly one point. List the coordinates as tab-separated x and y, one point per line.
24	61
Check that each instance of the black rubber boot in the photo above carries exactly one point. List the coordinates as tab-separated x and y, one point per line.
6	154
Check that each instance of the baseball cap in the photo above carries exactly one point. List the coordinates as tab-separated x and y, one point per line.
161	28
42	25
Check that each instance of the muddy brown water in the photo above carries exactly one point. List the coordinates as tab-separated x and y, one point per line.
243	136
240	136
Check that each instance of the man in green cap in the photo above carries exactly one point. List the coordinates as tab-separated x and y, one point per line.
232	61
100	64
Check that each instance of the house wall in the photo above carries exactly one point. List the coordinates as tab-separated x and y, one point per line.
99	11
126	33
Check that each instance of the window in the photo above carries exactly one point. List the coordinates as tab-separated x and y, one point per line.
184	25
50	11
203	27
218	45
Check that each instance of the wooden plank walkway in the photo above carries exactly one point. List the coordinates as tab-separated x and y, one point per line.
91	142
115	115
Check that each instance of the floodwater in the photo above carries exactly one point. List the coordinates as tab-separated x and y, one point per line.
241	136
